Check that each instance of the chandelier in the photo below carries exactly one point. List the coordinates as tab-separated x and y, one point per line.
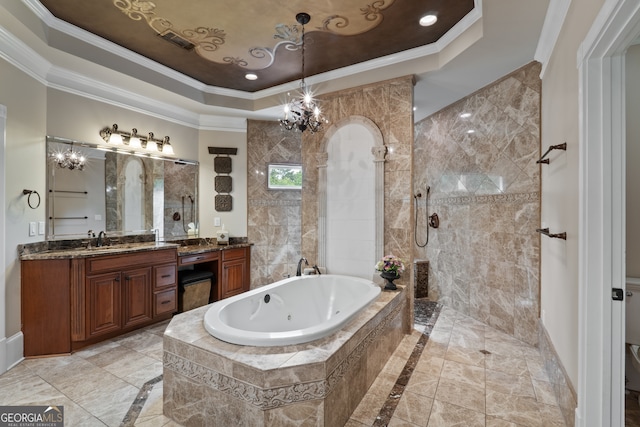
303	112
69	159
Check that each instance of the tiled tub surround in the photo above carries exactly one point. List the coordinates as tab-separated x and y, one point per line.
210	382
479	157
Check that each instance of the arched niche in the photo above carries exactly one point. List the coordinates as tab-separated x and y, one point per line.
367	134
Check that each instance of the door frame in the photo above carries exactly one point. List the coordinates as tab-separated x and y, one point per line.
601	64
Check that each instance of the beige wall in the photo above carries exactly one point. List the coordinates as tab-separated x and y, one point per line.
560	192
632	158
25	100
235	221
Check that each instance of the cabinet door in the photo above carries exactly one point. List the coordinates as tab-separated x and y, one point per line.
136	301
235	278
103	304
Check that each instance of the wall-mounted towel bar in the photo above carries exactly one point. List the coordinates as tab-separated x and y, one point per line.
68	191
545	231
562	146
69	217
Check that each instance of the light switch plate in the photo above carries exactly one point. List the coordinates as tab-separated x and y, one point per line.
216	221
32	228
41	228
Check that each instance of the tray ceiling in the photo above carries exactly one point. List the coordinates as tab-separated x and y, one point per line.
218	42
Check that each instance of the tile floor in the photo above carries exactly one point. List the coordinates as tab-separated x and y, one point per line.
466	374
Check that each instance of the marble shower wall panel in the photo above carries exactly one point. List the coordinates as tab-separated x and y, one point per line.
479	158
274	216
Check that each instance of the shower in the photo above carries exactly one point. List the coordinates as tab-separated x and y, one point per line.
431	220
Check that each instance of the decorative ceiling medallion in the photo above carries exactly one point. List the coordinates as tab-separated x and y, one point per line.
350	18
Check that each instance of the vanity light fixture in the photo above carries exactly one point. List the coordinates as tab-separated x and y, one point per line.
302	112
139	144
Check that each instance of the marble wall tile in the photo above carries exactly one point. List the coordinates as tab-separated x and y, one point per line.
302	414
274	216
564	391
485	187
389	106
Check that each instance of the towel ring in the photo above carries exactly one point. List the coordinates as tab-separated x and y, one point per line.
30	192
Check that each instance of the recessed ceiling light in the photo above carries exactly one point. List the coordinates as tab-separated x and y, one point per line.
251	76
428	20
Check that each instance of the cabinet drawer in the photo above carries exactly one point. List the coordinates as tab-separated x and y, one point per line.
165	302
116	262
233	254
198	258
165	275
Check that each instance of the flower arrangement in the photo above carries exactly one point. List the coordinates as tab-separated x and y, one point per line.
390	264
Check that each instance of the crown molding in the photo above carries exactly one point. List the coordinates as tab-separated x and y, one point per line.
553	21
21	56
24	58
77	33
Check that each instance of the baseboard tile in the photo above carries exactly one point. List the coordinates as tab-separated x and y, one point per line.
564	391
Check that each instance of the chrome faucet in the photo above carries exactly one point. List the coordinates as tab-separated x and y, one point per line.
317	269
100	236
299	270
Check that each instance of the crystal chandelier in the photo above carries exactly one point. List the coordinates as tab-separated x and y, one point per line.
303	112
69	159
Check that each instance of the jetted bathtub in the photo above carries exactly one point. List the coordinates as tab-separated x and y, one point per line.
292	311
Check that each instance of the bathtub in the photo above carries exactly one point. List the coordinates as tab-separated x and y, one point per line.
292	311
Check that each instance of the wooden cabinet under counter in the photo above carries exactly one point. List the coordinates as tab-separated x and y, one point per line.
234	272
231	267
70	303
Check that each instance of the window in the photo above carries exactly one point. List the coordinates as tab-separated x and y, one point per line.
285	177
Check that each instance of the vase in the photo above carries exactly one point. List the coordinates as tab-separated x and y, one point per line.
390	276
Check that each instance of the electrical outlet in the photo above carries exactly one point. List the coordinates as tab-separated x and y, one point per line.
216	221
41	227
32	228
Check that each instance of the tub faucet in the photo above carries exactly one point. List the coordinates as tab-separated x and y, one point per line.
316	269
100	236
299	270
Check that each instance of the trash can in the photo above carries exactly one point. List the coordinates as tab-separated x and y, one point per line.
195	287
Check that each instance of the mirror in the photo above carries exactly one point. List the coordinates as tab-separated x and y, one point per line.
92	189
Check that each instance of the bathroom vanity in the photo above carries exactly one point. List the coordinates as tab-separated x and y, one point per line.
77	297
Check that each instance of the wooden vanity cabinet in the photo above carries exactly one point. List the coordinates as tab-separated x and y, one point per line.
125	291
68	304
234	272
230	266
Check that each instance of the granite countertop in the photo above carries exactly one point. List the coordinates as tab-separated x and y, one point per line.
94	251
209	247
119	249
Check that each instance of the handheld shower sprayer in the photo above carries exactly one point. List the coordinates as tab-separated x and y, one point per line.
431	220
